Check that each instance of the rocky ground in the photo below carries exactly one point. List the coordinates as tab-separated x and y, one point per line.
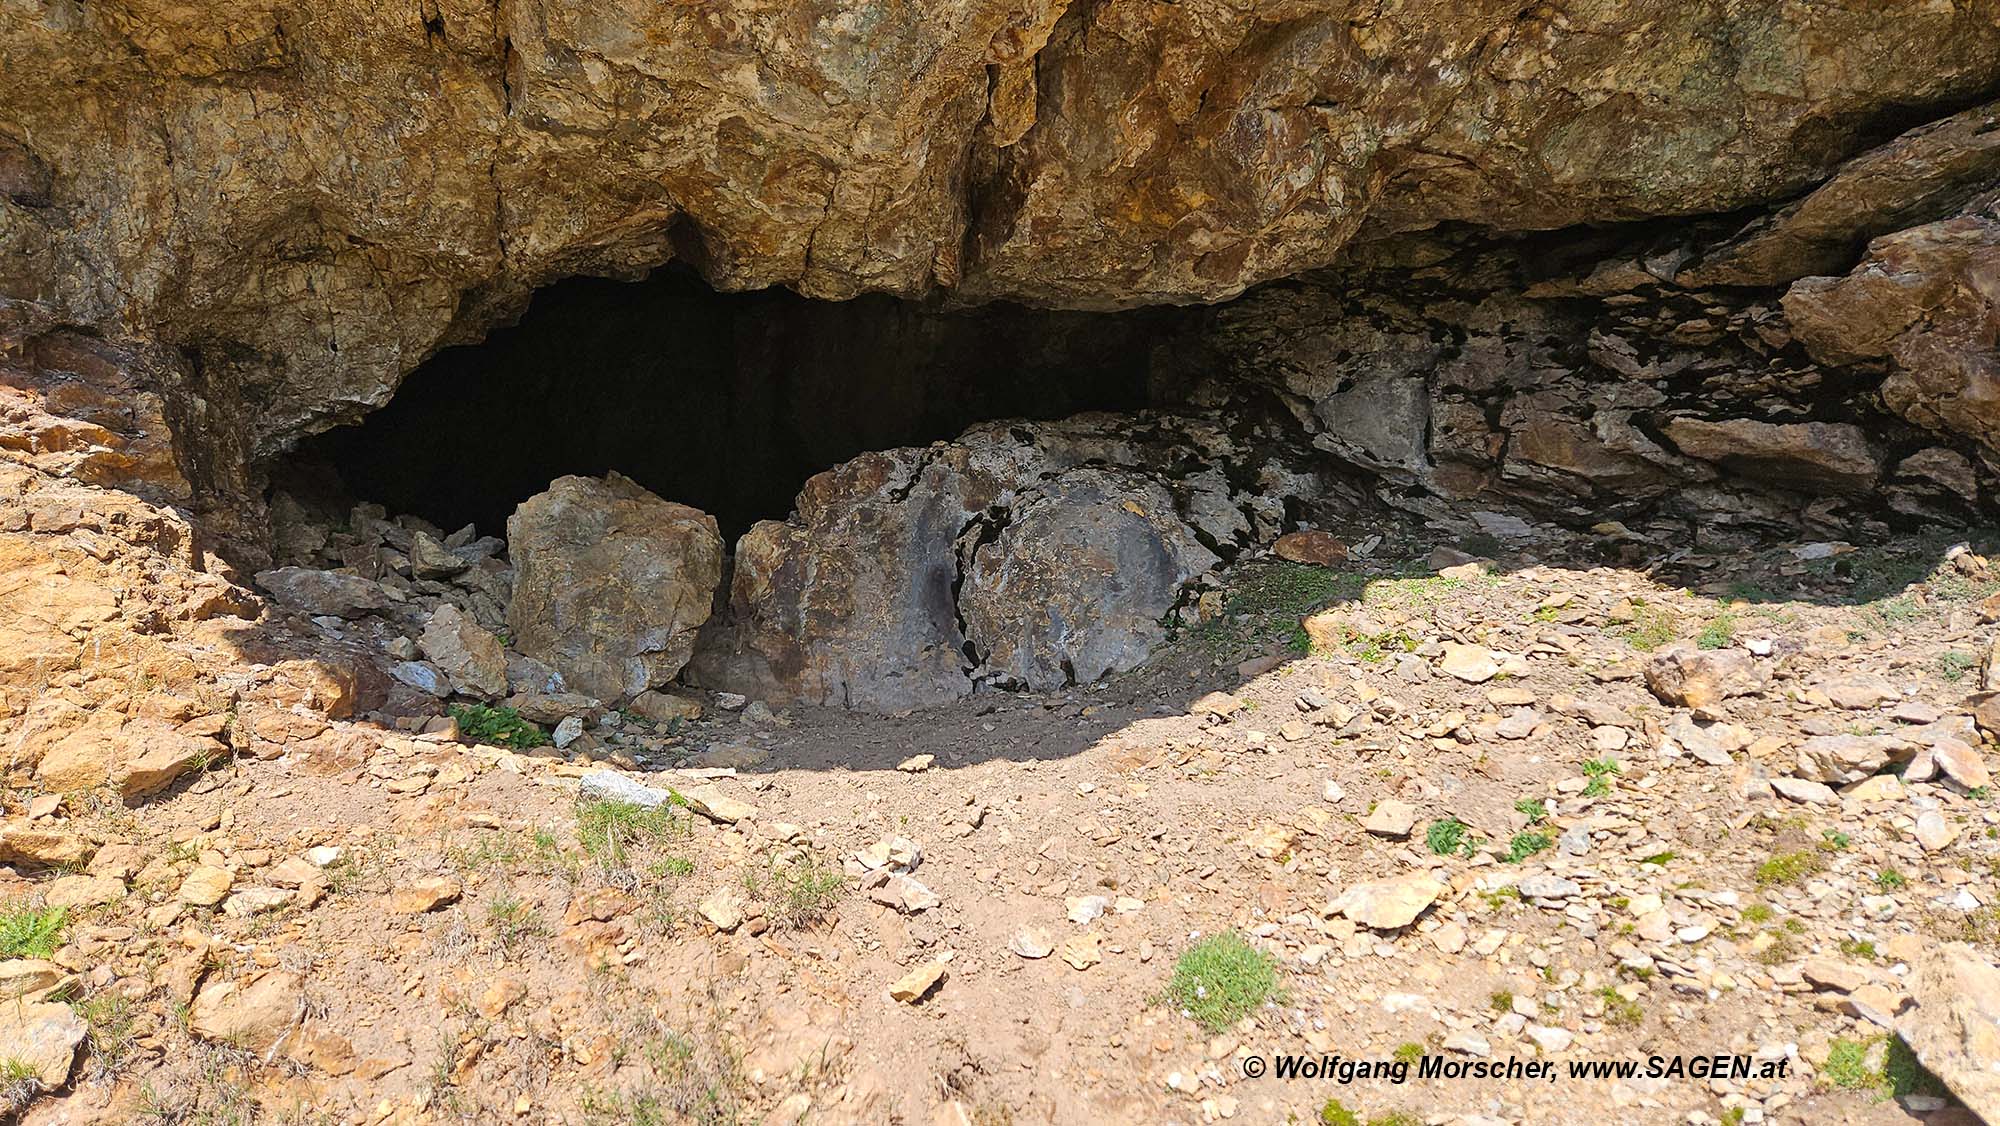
1527	808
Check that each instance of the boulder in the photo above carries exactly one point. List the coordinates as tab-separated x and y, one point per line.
1923	303
610	583
1387	904
1954	1027
256	1016
1815	456
1687	676
1840	759
473	659
1076	581
323	593
1022	554
43	1036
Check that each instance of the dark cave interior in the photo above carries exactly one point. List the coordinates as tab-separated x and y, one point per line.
725	401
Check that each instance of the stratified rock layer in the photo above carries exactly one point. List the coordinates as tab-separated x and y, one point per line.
311	197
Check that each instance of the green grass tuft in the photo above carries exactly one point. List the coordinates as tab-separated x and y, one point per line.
30	932
1222	979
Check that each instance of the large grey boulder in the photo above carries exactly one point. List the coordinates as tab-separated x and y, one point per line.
610	583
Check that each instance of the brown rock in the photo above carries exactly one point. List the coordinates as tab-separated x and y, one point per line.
473	658
425	895
1812	455
256	1016
610	583
43	1036
1387	904
1686	676
1954	1027
911	987
24	843
206	885
1318	549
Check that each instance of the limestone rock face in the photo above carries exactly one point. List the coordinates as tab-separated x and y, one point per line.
312	197
1014	555
610	583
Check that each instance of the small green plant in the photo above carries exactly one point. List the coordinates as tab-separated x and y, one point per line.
606	828
1833	840
1757	913
1600	771
1858	948
676	867
1718	633
1534	809
1620	1012
1409	1052
1525	845
1660	859
1953	665
29	932
1888	879
1651	626
1501	1000
514	922
801	890
1847	1065
1222	979
1447	837
499	726
1788	868
1333	1112
111	1019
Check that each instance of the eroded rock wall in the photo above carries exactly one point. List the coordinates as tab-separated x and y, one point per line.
310	198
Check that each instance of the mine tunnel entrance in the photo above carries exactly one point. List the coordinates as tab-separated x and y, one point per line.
727	402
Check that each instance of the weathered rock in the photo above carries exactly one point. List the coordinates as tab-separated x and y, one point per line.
1031	942
25	843
1802	790
1684	675
1057	154
25	977
1470	663
1923	302
324	592
1015	554
43	1036
610	583
1962	763
206	885
1814	455
1391	818
911	987
425	895
1387	904
554	707
256	1016
1840	759
1927	172
1954	1028
474	659
665	707
1315	548
430	560
1077	580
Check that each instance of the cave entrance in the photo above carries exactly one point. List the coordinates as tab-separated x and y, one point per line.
727	402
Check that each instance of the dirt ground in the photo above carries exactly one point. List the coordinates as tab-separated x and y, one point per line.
488	947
